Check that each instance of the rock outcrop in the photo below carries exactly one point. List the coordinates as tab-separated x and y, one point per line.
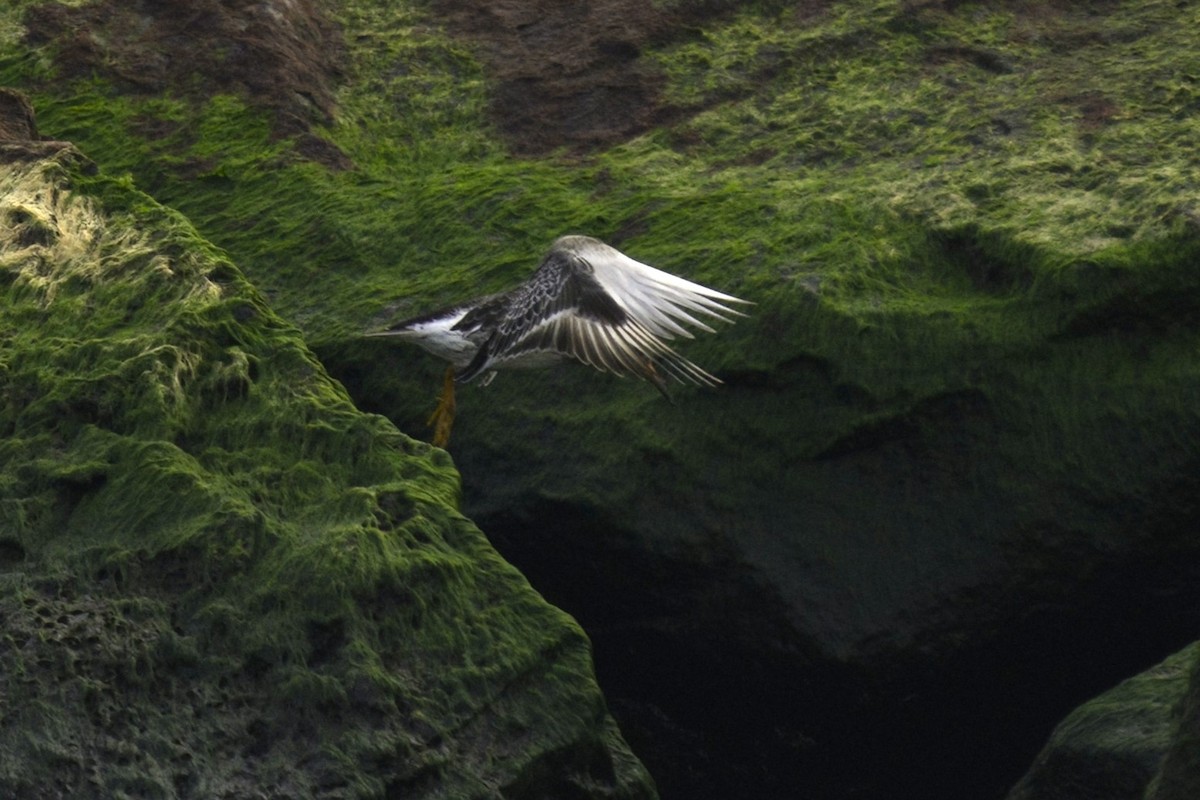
220	579
1115	747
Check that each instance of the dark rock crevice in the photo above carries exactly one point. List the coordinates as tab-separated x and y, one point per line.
714	708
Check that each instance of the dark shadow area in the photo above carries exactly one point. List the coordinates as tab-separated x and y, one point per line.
714	714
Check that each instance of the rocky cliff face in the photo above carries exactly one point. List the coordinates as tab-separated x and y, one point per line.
946	493
218	578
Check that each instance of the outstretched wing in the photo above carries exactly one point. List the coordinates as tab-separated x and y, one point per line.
591	302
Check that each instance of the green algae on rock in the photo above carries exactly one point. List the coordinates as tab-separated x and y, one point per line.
1116	746
965	406
218	578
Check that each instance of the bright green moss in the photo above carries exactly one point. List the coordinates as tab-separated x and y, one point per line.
893	185
171	446
1036	125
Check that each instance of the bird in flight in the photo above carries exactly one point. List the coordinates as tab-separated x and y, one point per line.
587	301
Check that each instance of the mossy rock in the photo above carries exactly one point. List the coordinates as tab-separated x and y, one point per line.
961	420
218	578
1114	746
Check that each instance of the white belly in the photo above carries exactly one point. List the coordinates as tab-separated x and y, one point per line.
457	350
438	338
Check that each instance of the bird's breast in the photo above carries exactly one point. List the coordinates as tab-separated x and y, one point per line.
443	340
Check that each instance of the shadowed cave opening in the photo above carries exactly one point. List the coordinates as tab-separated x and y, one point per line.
718	702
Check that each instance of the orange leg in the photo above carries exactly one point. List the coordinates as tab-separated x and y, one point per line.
442	417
